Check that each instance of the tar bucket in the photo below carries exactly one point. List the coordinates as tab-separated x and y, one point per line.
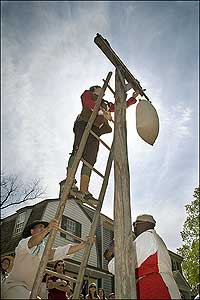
147	121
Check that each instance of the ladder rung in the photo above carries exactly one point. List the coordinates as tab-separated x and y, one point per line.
91	167
62	276
98	138
70	234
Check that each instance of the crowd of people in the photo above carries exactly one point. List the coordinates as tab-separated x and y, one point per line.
54	288
153	270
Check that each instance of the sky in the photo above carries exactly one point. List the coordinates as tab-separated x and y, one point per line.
49	58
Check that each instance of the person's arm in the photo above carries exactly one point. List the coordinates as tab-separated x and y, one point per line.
37	238
62	252
132	100
77	247
59	285
111	266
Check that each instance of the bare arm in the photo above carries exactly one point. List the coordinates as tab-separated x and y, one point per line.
37	238
60	285
78	247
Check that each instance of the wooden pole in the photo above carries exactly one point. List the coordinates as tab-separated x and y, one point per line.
124	262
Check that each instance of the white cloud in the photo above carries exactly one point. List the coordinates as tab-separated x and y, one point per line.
49	58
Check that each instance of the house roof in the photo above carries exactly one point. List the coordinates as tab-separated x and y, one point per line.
9	239
8	223
181	282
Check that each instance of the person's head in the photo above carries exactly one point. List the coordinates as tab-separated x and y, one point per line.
92	289
35	227
111	296
101	293
5	264
96	89
143	223
59	266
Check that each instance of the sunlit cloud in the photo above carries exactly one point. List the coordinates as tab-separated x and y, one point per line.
49	58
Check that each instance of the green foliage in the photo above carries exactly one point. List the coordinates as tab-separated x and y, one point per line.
190	237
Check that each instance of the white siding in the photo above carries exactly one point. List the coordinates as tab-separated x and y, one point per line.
73	211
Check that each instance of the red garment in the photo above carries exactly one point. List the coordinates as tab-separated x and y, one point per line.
153	270
152	285
87	100
55	294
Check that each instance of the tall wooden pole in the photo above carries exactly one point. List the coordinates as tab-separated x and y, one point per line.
124	262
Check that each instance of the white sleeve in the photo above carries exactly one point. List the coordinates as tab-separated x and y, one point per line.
145	245
61	252
111	266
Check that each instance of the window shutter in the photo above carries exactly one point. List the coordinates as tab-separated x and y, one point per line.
63	226
78	229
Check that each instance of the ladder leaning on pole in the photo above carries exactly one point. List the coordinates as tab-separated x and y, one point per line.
63	201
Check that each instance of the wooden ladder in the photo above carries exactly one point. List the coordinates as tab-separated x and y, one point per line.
42	269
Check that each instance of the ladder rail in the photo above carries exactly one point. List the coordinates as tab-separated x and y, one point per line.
66	190
93	227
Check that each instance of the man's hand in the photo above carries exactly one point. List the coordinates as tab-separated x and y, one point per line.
135	94
63	283
90	239
53	224
107	115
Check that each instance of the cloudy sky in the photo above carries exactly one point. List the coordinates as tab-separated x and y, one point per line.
49	58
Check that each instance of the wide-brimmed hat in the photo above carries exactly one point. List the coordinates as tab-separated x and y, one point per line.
145	218
27	230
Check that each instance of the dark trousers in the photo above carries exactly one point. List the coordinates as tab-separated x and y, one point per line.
92	145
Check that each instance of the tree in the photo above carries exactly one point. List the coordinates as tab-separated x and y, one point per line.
190	237
15	192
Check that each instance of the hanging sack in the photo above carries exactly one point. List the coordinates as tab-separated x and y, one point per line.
147	122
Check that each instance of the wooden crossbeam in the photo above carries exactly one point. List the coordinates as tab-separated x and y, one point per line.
116	61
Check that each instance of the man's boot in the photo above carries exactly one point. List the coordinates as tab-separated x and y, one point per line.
84	184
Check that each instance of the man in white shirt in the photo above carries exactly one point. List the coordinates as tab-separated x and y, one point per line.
18	284
153	270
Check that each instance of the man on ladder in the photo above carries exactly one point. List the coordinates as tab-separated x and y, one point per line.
100	127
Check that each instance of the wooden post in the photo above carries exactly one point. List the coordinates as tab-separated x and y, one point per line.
124	262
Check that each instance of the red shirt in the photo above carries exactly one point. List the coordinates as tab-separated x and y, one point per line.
87	100
55	294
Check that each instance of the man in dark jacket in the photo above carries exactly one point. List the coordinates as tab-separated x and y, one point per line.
100	127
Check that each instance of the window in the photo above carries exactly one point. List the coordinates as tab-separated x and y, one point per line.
20	222
71	226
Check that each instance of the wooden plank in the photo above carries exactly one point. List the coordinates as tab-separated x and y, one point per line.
62	276
100	140
116	61
91	167
71	235
124	262
93	227
65	193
